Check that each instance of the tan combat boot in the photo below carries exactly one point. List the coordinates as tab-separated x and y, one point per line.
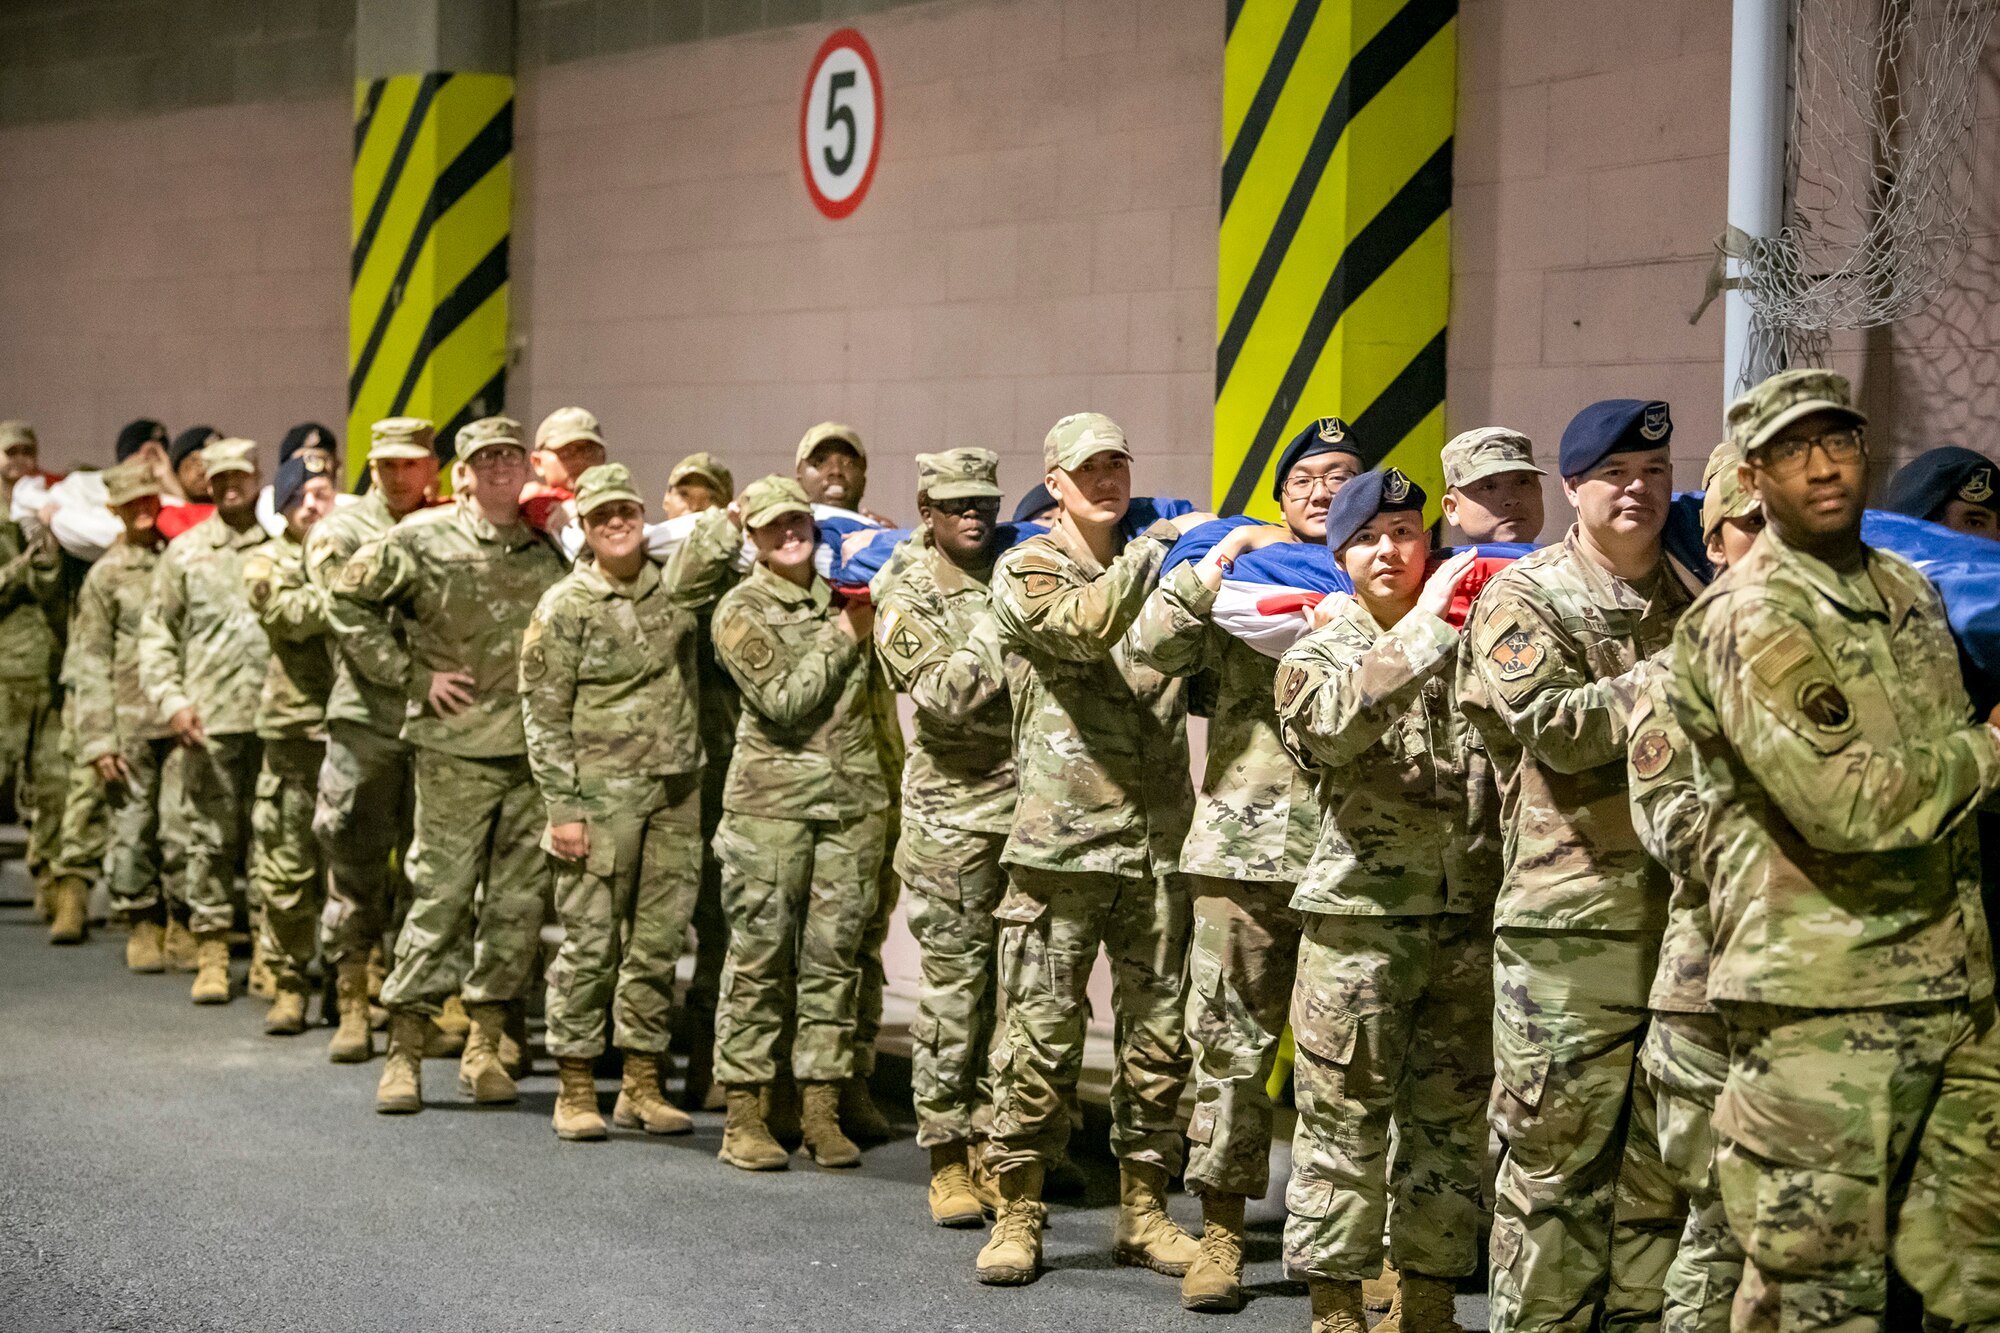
177	946
1012	1256
953	1201
481	1076
860	1117
1378	1293
259	981
353	1041
378	972
69	903
448	1029
640	1105
287	1015
401	1090
746	1140
1423	1305
211	978
1214	1282
576	1114
819	1126
1146	1236
985	1185
1336	1306
142	946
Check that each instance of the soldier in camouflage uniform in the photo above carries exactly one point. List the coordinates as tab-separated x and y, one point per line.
362	816
1837	763
30	654
462	582
1255	821
1686	1051
1493	490
608	683
1102	808
202	656
1558	644
936	636
285	868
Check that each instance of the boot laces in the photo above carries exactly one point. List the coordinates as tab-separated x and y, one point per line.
1017	1222
1219	1248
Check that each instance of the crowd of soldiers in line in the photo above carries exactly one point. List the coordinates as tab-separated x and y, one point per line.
1677	889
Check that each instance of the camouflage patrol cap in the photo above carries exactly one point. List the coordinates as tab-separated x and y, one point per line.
1487	451
959	474
1723	496
603	484
230	455
1782	399
1080	436
768	499
485	433
401	437
567	425
129	481
829	431
704	467
14	433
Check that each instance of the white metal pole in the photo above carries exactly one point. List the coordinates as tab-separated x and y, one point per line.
1759	71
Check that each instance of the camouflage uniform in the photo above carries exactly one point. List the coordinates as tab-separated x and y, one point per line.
1255	821
802	833
1586	1213
285	867
1102	808
30	749
1395	973
462	591
1836	769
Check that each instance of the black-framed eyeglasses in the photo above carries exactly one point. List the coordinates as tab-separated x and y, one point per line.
1301	485
1841	445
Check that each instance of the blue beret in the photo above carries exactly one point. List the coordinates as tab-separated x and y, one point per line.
190	440
1033	505
1614	426
293	474
137	435
1328	435
1934	478
306	435
1385	492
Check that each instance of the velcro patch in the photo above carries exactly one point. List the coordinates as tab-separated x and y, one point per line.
1516	654
1652	752
1783	654
1822	703
1291	682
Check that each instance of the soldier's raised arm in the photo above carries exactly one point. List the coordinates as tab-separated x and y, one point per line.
289	605
703	566
1044	604
785	686
1338	693
1534	678
950	683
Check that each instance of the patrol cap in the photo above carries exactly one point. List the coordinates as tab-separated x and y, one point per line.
1936	477
1080	436
13	433
1487	451
1723	497
768	499
829	432
128	481
604	484
1784	398
293	474
1328	435
401	437
306	435
230	455
567	425
1613	426
136	435
1386	491
485	433
959	474
706	467
189	440
1033	505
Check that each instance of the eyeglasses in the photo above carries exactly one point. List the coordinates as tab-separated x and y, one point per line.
1784	457
1299	486
968	506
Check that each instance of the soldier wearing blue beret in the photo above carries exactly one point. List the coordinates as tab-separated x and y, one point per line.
1956	487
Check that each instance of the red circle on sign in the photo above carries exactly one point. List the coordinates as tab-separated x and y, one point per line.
845	39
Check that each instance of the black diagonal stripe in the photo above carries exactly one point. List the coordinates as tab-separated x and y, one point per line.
486	151
1234	12
1424	198
486	278
492	396
426	90
367	116
1413	395
1259	113
1366	75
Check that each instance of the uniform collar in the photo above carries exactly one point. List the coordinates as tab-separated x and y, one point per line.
1659	588
1862	591
222	536
600	583
516	535
1072	545
949	577
818	592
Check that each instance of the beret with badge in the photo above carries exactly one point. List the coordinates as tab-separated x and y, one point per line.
1368	495
136	435
294	473
1327	435
190	440
1613	426
305	435
1936	477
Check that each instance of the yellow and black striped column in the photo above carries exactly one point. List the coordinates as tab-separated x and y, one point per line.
427	300
1335	258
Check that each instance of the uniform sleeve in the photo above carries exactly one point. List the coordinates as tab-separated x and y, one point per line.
1173	634
947	683
1533	677
1666	810
1046	605
290	607
550	651
703	565
160	638
1336	696
1783	711
29	574
375	580
91	644
785	685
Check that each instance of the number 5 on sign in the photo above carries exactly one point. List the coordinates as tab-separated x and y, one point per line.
840	123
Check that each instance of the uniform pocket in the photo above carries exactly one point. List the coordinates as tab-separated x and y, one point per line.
924	871
1802	1178
1519	1066
1324	1032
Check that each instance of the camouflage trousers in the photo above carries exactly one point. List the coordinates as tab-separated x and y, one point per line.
1850	1136
137	869
1052	923
479	884
1586	1215
85	833
800	894
955	880
874	979
624	911
1390	1015
218	787
711	924
1685	1057
362	818
285	871
1245	954
31	752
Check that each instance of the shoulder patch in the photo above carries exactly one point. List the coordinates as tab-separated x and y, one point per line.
747	642
1822	703
902	638
1291	683
534	665
1516	654
1652	752
1781	655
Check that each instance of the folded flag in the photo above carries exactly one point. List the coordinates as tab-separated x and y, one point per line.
1966	572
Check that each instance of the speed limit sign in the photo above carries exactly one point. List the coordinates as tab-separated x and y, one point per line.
840	123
